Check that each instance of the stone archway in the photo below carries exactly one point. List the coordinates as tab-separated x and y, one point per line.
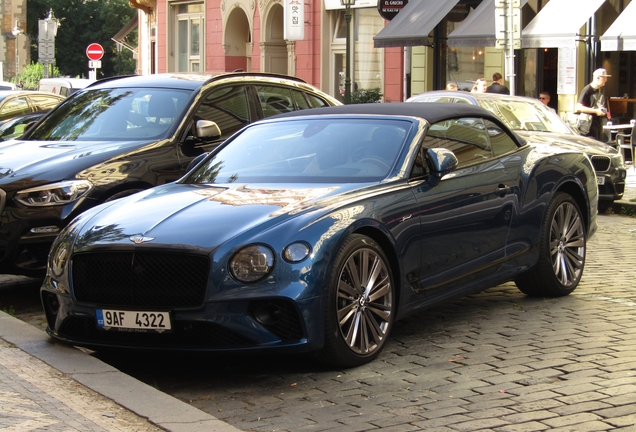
238	41
273	47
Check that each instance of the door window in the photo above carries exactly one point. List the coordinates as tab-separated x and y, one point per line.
228	107
467	138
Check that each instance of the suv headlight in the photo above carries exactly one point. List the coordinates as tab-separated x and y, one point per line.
54	194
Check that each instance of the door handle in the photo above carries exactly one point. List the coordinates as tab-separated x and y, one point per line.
503	190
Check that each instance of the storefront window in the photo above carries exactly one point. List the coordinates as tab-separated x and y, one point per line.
465	64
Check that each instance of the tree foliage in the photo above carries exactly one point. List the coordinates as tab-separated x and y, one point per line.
32	74
83	22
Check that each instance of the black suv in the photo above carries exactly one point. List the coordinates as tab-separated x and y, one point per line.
119	136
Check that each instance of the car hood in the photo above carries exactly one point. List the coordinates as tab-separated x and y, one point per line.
56	160
571	142
206	216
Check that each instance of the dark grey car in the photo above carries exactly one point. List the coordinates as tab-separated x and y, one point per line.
531	119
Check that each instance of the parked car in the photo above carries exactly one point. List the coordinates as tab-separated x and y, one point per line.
5	85
14	103
63	86
15	127
314	231
531	119
117	137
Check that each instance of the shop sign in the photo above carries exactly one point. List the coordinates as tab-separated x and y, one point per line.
388	9
294	17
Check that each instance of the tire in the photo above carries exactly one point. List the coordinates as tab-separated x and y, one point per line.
360	306
562	246
604	205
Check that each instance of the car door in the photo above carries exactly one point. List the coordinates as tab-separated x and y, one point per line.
465	219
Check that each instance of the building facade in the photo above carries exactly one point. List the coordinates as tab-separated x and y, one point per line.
14	48
429	43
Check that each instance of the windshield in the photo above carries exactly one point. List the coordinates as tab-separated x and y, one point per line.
522	115
114	114
306	151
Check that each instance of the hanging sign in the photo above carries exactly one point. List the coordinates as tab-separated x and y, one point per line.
294	17
388	9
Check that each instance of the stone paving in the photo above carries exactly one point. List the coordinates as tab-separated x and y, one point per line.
495	361
36	397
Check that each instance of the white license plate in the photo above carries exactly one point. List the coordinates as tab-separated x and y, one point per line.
600	180
133	320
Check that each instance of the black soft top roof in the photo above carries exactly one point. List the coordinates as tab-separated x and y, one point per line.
431	112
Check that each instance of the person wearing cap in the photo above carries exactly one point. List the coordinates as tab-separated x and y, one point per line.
497	85
592	101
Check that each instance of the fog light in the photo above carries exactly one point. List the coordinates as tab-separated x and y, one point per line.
45	230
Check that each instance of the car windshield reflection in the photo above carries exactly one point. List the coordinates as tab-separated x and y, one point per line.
306	151
114	114
520	115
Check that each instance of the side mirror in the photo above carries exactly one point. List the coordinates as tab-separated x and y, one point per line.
207	129
442	161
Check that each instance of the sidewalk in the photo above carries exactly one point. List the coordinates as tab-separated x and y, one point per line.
50	386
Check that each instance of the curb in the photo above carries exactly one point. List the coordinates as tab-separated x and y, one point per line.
159	408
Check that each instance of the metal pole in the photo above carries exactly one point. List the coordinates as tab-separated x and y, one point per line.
510	66
347	95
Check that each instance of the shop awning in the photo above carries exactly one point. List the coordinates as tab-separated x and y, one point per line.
558	23
478	29
621	36
412	25
122	34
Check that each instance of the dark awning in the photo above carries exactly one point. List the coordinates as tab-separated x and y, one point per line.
621	36
478	29
121	35
412	25
558	23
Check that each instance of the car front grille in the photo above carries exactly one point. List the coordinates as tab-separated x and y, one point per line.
140	279
601	163
192	335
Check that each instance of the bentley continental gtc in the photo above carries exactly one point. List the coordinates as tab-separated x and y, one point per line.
312	232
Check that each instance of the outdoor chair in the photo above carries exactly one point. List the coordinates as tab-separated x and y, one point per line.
625	141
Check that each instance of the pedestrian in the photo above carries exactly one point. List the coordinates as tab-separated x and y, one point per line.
544	97
20	85
592	101
497	85
451	86
480	86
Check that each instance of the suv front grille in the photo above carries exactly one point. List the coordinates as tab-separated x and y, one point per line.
141	279
600	163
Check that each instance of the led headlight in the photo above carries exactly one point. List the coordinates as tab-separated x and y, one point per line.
54	194
252	263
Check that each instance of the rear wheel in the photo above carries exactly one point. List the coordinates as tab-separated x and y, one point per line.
360	304
562	246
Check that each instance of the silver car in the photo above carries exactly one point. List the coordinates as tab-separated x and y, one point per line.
531	119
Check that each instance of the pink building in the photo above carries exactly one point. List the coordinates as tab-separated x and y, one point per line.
213	36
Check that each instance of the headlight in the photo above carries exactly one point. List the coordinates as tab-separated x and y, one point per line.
58	258
54	194
252	263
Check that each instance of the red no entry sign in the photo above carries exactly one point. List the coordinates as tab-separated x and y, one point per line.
94	51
